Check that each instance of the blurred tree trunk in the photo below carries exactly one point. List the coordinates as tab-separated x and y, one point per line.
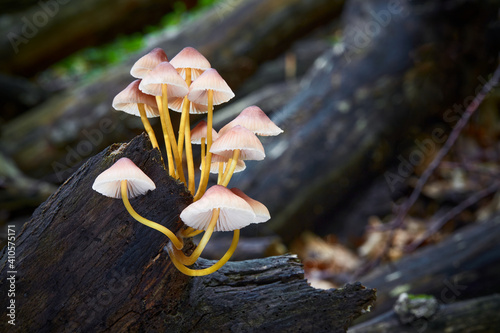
83	264
397	67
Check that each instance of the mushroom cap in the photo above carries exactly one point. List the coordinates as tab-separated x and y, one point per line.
108	183
128	98
176	104
164	73
235	212
214	165
189	57
260	210
200	131
147	62
209	80
240	138
254	119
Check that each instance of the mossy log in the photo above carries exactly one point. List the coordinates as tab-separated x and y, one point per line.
474	315
462	266
363	101
82	264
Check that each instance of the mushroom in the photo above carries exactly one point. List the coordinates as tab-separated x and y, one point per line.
254	119
218	210
147	62
237	143
125	180
220	164
209	89
133	101
260	210
164	81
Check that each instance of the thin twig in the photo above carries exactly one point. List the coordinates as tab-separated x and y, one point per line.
438	224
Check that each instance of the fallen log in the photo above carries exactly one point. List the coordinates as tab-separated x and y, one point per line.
460	267
475	315
83	264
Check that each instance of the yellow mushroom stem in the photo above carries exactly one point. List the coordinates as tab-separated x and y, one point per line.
203	161
189	158
178	243
147	125
220	173
170	132
168	148
231	168
205	172
184	114
191	259
190	232
209	270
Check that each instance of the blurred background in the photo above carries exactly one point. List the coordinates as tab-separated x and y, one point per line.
367	93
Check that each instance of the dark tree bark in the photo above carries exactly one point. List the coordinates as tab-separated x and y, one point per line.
475	315
363	99
83	264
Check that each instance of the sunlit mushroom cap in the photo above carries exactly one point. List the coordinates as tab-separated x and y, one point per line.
214	165
177	103
200	131
146	63
240	138
254	119
209	80
190	58
164	73
128	98
260	210
235	212
108	183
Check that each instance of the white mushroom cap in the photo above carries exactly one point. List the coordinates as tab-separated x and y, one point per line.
260	210
146	63
108	183
239	138
235	212
214	165
164	73
176	104
128	98
200	131
189	57
254	119
209	80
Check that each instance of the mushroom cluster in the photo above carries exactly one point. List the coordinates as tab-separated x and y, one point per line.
189	85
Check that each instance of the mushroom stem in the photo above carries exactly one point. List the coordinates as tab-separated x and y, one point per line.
208	159
227	178
214	267
221	172
203	163
170	159
189	158
176	241
190	232
170	132
147	125
189	260
184	114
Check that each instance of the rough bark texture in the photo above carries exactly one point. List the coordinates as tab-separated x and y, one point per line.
83	264
460	267
357	104
475	315
235	39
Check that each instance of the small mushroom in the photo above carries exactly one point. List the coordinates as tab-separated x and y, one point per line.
125	180
254	119
238	143
209	89
146	63
260	210
133	101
